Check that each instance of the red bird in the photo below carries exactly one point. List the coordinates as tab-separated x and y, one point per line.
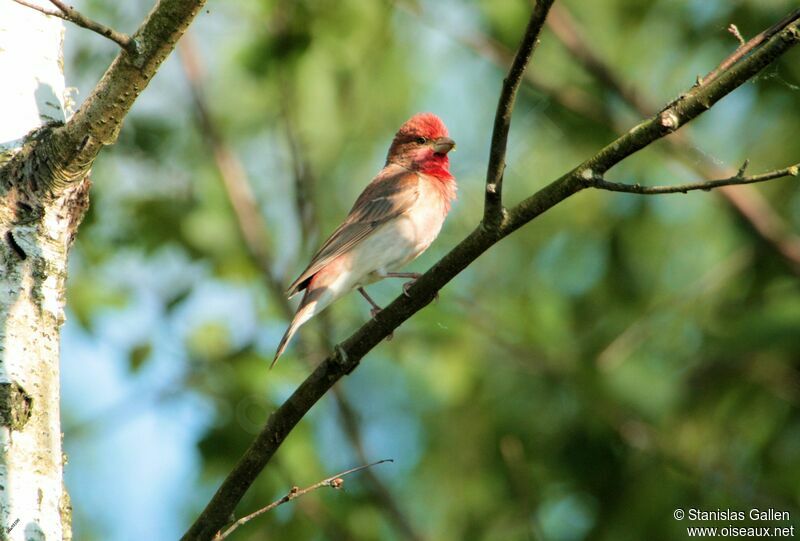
396	218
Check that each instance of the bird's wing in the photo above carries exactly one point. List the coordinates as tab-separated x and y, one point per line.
393	192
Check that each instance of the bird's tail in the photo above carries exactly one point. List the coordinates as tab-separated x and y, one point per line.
313	302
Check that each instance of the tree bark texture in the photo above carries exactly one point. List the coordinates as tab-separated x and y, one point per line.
36	228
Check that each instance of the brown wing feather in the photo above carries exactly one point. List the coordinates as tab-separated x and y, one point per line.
389	195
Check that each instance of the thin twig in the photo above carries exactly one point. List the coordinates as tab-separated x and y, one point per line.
600	184
348	354
384	497
71	148
733	29
493	203
750	45
335	481
70	14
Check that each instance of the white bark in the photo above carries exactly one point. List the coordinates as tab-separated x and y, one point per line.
33	254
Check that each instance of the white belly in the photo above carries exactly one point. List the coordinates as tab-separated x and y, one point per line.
400	241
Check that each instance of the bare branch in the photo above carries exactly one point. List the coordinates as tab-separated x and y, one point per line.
384	497
70	14
348	354
335	481
600	184
746	201
40	9
63	155
733	29
745	48
493	203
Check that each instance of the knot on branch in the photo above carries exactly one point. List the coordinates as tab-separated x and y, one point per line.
792	34
589	178
15	405
343	361
48	162
669	121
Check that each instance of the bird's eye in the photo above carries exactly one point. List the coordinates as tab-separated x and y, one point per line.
421	140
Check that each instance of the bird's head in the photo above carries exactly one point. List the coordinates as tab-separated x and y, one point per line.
422	144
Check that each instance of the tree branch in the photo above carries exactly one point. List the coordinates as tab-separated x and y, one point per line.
751	206
347	355
745	48
738	179
64	154
493	203
334	481
70	14
384	497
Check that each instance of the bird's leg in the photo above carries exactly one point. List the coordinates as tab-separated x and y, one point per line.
375	308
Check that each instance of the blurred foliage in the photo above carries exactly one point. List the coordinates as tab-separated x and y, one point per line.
616	359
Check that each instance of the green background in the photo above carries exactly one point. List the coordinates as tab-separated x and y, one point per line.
616	359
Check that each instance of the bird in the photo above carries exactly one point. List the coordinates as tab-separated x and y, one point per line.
394	220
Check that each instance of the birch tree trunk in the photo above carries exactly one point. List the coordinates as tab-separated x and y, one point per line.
37	229
44	165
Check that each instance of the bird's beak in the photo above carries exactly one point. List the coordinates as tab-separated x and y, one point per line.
443	145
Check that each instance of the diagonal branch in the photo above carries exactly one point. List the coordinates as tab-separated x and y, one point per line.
493	203
63	155
746	201
70	14
745	48
347	355
600	184
334	481
254	229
